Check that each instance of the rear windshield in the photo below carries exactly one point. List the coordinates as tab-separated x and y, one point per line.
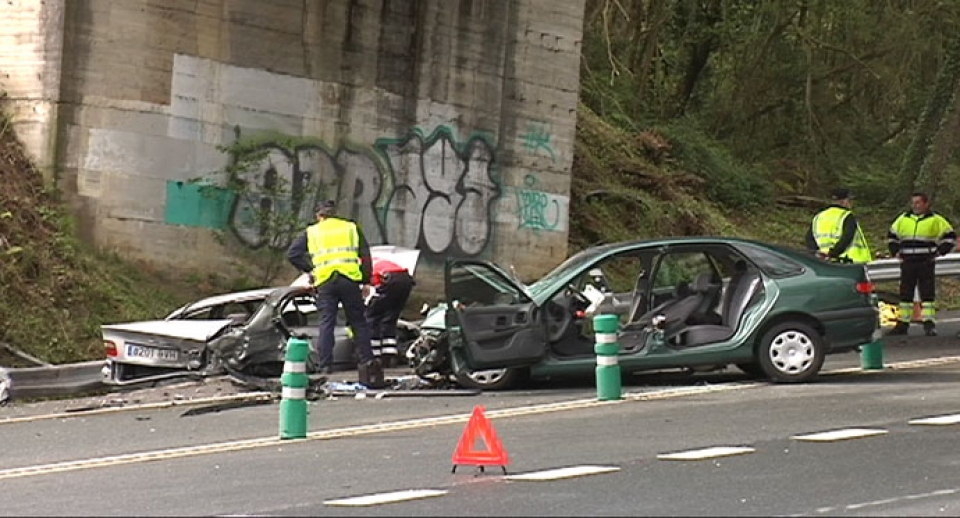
772	263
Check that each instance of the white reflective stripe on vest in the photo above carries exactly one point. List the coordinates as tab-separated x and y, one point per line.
918	250
293	393
606	338
338	261
607	360
295	367
325	251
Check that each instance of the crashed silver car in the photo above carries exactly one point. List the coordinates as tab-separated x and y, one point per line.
242	332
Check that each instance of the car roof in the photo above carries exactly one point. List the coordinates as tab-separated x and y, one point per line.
260	293
664	241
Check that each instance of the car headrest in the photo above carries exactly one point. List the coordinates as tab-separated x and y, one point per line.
682	289
703	283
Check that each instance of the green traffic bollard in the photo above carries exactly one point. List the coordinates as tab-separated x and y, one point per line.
294	381
871	355
608	368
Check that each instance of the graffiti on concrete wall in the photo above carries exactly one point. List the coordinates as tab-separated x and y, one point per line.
537	210
537	140
443	191
425	190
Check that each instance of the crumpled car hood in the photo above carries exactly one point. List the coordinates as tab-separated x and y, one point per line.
196	330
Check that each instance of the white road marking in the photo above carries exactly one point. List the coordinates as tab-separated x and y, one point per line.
641	396
938	420
908	364
833	509
559	473
706	453
353	431
839	435
386	498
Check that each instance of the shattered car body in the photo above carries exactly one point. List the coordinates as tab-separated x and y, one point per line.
242	332
694	304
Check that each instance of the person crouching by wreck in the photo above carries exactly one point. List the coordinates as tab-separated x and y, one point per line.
335	253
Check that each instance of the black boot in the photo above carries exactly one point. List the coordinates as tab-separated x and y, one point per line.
371	374
929	328
899	329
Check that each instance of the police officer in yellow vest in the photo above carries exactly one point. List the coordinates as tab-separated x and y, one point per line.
835	233
336	255
917	237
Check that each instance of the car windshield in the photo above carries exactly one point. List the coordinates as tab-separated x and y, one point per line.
548	282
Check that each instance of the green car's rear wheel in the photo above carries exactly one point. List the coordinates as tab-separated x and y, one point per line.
791	352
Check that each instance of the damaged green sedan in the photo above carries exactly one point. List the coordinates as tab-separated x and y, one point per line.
683	303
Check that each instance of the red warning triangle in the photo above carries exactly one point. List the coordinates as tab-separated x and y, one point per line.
480	427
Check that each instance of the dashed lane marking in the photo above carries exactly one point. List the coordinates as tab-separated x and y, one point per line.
706	453
839	435
353	431
911	364
832	510
941	420
559	473
386	498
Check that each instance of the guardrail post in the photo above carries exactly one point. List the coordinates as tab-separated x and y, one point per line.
608	368
294	381
871	355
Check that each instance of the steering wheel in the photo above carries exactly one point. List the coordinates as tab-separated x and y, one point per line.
577	294
558	313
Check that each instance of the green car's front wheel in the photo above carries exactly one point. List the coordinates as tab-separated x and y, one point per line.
493	379
791	352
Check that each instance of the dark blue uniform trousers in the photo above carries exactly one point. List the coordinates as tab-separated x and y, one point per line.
341	290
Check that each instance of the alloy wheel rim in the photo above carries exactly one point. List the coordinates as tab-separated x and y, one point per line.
792	352
487	377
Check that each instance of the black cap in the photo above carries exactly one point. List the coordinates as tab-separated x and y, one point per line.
841	194
326	207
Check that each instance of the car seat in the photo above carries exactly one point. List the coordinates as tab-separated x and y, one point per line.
744	284
675	311
709	285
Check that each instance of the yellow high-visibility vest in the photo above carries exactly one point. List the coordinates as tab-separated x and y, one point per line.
828	228
334	246
920	235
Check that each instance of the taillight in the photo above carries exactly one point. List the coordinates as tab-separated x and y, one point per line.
865	287
111	348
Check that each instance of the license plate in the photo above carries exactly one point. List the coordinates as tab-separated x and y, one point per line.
151	353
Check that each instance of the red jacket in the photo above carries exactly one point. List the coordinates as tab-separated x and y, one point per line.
382	266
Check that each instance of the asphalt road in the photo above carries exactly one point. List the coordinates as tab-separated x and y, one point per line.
169	461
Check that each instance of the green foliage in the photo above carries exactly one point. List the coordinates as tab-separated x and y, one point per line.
728	182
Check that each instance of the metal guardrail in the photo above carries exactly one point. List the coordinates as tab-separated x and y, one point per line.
48	381
889	269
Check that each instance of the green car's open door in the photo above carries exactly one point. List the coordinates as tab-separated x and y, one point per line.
492	320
